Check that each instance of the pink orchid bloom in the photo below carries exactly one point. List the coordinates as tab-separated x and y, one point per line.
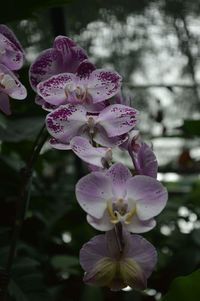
104	128
86	86
115	196
106	263
65	56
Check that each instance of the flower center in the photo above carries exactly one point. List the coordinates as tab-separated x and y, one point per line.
6	81
79	91
119	212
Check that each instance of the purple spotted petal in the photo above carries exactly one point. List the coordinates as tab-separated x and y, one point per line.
138	226
85	69
10	85
101	224
119	174
146	161
53	89
10	55
117	119
148	194
65	122
4	103
88	153
47	64
92	193
103	84
72	55
8	33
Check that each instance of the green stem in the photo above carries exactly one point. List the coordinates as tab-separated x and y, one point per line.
24	196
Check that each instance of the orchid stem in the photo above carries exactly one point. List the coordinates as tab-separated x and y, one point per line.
23	201
119	236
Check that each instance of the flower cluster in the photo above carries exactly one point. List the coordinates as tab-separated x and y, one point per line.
11	60
88	115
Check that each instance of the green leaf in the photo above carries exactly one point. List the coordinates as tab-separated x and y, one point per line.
184	288
191	127
26	282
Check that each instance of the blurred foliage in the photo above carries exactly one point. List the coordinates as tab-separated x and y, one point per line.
46	265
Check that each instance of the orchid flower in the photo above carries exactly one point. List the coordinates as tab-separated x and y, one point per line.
104	128
115	196
97	86
11	59
106	263
65	56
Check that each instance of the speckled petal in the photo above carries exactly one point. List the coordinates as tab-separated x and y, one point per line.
59	145
47	64
10	55
9	84
8	33
149	195
92	193
103	84
119	174
53	89
65	122
117	119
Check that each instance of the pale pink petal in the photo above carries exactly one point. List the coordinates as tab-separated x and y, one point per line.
103	84
10	55
5	103
101	224
117	119
92	193
143	253
8	33
88	153
65	122
9	84
47	64
138	226
149	196
93	251
119	175
53	89
102	138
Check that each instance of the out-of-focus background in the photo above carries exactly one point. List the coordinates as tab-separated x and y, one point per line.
155	46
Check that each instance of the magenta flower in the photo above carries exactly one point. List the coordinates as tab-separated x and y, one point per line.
65	56
11	52
107	264
115	196
105	128
90	87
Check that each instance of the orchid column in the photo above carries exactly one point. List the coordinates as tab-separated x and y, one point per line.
88	115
